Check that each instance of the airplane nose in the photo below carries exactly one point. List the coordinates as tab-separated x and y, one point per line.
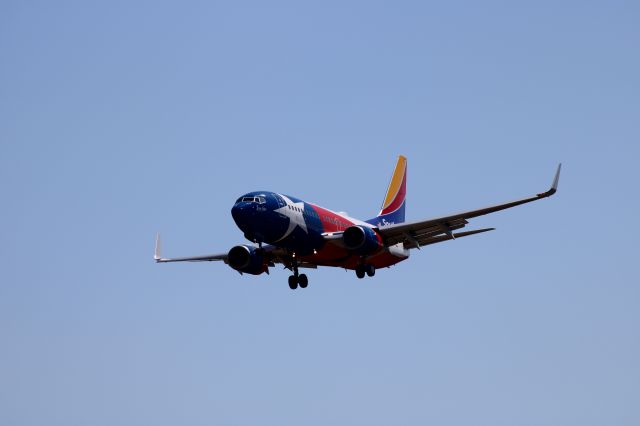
242	212
237	212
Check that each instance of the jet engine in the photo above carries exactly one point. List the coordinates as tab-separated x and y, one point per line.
361	239
247	259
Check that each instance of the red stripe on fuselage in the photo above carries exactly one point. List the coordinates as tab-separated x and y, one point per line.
331	222
333	254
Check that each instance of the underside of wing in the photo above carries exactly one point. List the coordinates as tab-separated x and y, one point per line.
415	233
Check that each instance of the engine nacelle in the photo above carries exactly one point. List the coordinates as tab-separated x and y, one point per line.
361	239
246	259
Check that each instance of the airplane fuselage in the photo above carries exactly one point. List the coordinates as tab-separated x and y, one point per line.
305	229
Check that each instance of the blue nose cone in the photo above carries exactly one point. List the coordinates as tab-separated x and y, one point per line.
243	214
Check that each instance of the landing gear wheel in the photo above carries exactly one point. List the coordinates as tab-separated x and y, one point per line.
293	282
303	281
370	269
295	278
360	272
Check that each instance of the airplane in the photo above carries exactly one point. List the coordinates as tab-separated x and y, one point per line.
299	234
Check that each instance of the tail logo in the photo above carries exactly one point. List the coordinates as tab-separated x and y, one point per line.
396	193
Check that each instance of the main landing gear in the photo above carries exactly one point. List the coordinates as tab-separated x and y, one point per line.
368	269
296	279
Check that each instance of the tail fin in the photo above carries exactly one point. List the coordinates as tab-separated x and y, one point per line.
393	206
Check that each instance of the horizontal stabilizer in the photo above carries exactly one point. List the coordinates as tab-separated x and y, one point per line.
475	231
442	238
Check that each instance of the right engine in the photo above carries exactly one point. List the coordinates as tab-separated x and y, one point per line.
361	239
247	259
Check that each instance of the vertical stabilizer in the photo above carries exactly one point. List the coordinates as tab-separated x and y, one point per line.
393	206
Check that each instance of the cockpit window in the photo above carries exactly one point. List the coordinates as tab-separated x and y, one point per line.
259	200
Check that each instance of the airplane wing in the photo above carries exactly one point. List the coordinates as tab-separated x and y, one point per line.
273	255
431	231
205	258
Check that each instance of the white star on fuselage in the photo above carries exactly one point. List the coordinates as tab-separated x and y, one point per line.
294	211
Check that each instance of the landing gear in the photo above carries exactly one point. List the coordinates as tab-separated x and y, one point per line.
362	270
303	281
300	280
370	270
293	282
297	279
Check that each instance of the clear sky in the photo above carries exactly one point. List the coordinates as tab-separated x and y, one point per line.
119	119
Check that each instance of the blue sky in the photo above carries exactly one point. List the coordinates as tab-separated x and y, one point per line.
120	119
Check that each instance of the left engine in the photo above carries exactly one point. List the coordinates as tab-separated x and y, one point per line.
247	259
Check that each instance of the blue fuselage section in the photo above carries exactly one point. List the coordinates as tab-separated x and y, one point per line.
284	221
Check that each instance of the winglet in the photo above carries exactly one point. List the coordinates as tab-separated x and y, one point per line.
554	185
156	255
557	178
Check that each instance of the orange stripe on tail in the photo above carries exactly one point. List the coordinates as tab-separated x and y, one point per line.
396	192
